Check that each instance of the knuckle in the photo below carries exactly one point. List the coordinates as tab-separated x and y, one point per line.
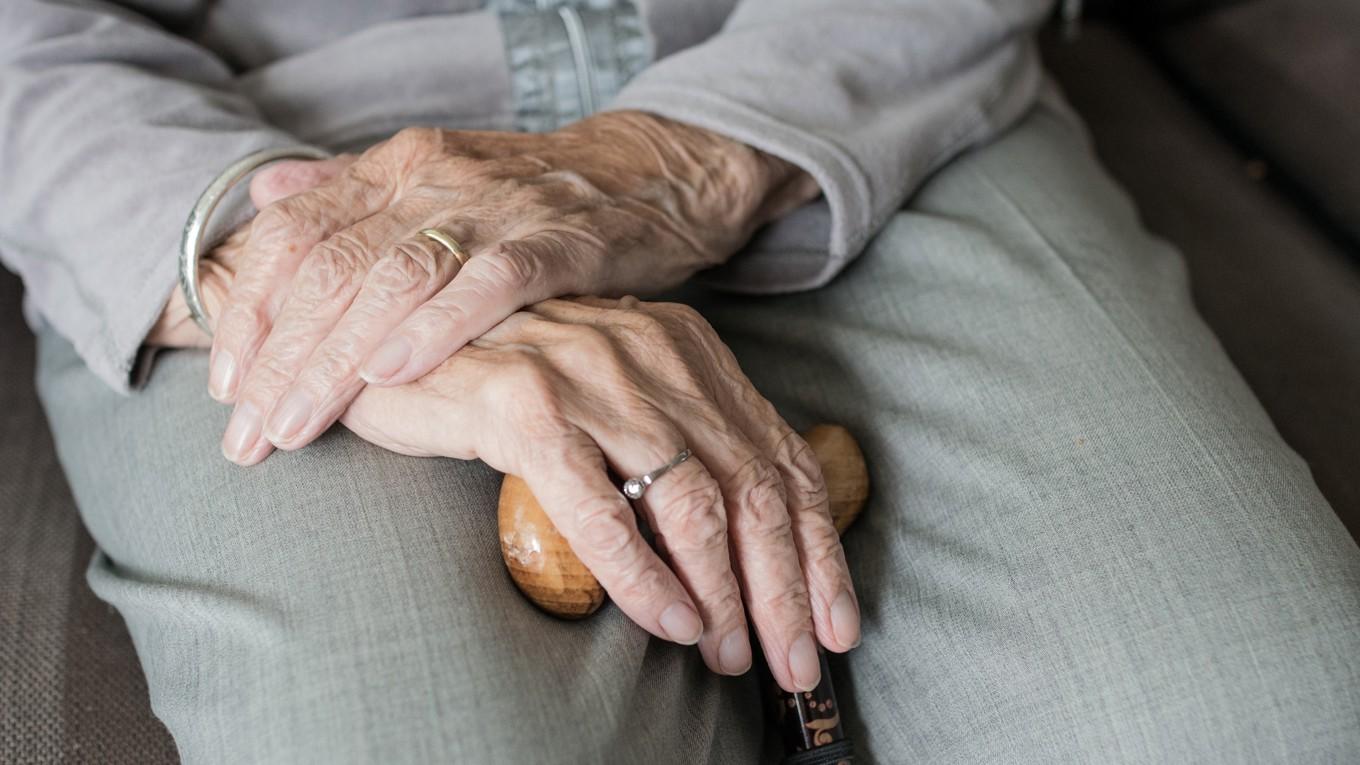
788	607
531	378
436	316
241	321
408	267
605	527
269	374
283	227
729	606
646	329
418	141
567	189
288	175
590	343
683	316
695	519
641	583
822	548
370	171
762	486
806	487
332	268
332	365
529	389
512	266
762	497
275	220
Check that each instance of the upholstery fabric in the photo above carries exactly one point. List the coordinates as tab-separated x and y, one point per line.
1150	12
1282	297
1284	75
70	685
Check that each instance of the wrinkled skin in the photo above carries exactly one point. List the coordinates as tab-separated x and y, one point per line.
337	288
560	391
565	390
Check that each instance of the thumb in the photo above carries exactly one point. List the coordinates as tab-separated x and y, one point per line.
294	176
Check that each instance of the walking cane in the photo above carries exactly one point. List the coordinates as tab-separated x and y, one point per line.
545	569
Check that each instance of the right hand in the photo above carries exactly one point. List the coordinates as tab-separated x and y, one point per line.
565	391
339	289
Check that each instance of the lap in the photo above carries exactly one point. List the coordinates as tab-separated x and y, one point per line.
343	603
1087	541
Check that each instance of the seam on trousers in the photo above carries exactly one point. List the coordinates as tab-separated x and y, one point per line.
1131	346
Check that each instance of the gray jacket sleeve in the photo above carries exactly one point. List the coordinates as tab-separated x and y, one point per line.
868	96
109	129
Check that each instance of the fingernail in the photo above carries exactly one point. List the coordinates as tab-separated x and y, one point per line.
242	432
222	377
291	414
845	620
803	662
734	653
390	357
681	624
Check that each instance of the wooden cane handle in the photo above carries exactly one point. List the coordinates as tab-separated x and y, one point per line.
546	570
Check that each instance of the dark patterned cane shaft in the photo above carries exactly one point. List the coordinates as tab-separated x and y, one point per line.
811	723
545	568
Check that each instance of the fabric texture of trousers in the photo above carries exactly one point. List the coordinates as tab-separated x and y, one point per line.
1086	542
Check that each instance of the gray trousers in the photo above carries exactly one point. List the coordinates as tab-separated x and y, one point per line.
1086	542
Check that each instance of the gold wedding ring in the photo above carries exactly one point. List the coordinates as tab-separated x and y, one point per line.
449	243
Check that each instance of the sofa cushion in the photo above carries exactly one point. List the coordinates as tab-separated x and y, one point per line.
71	689
1285	76
1281	297
1150	12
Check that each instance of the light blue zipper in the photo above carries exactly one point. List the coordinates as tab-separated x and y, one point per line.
580	51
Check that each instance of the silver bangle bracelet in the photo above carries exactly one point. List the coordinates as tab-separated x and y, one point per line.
195	228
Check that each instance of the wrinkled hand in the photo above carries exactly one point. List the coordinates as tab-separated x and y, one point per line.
175	328
337	287
565	390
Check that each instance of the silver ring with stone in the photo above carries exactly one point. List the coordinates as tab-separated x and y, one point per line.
196	227
634	488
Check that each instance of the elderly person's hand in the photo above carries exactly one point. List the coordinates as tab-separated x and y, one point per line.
338	287
175	327
565	391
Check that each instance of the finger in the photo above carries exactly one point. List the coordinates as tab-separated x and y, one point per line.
596	520
281	236
406	275
765	554
175	328
835	605
685	511
764	548
323	289
284	179
493	285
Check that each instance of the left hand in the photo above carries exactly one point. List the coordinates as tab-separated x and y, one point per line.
337	286
175	327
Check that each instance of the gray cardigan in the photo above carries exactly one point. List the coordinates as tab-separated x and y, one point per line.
114	116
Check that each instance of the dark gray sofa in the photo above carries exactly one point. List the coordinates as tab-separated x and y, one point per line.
1229	126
